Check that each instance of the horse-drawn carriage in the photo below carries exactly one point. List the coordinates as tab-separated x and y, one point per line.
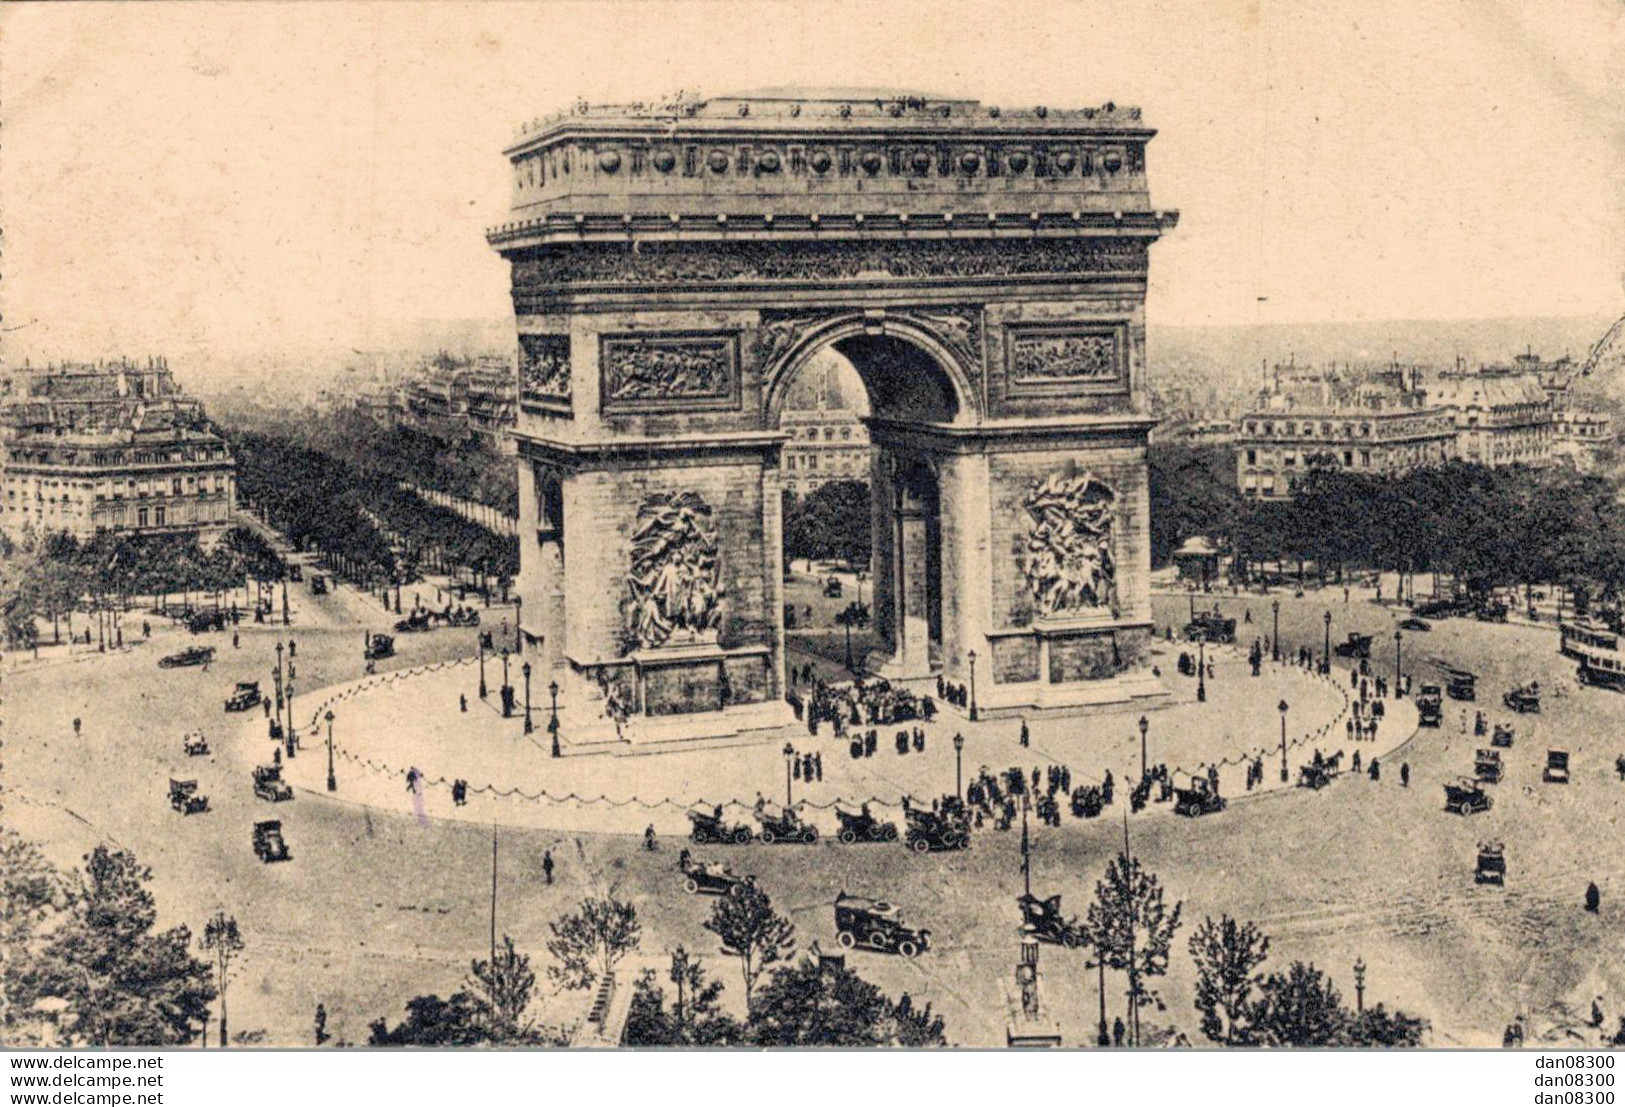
268	843
1487	766
245	697
936	830
861	826
378	646
1492	864
184	797
784	825
1199	798
196	655
1466	796
1524	699
708	826
878	925
269	785
1049	925
710	878
195	744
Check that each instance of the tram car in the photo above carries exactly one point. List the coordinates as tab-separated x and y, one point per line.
1462	686
1466	797
1210	627
708	826
1049	925
877	925
861	826
197	655
185	798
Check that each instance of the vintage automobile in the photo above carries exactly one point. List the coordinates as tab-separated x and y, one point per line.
1487	766
1490	611
1502	738
204	621
1466	796
318	584
861	826
936	830
184	797
378	646
196	655
1462	685
1357	646
462	617
195	744
1211	627
1441	609
269	785
1557	767
861	921
1314	777
268	843
1049	925
1525	699
1492	864
833	587
295	573
245	697
1197	799
784	825
709	827
709	878
414	623
1412	623
1429	705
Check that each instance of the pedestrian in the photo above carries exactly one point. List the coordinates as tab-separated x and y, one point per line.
818	767
235	644
1376	771
649	837
1404	774
1026	736
1349	726
267	705
462	702
1355	764
293	648
276	755
76	727
146	629
1593	898
547	866
1117	1033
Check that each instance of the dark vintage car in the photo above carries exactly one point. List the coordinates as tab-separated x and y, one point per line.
861	826
295	573
1525	699
268	843
877	925
196	655
708	878
1441	609
245	697
1491	611
1462	686
195	744
1198	799
1492	864
936	830
833	587
1502	738
1557	767
1049	925
203	621
269	785
1487	766
1415	624
1357	646
784	825
708	826
1429	705
318	584
378	646
184	797
1466	797
1210	626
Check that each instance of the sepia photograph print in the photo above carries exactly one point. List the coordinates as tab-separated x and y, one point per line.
791	525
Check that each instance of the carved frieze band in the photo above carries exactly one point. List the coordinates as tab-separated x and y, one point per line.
667	263
1068	358
544	371
678	372
959	329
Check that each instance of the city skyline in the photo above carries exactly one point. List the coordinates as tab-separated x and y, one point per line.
281	183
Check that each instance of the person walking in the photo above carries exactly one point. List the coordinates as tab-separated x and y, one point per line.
1404	774
547	866
1593	898
76	725
1026	735
235	642
462	702
1376	770
1118	1031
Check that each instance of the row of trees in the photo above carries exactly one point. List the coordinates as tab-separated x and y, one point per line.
830	524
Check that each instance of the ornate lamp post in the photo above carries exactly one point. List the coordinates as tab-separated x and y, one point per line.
279	676
972	658
291	750
518	617
507	690
1145	726
553	718
1201	670
525	669
1326	664
789	762
1398	638
1103	1035
332	781
480	636
1359	985
1275	637
1286	777
959	759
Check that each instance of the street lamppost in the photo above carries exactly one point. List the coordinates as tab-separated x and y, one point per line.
289	735
1275	637
553	718
507	690
789	761
1359	985
959	775
1145	726
1201	670
1326	663
525	669
972	656
518	617
1285	776
279	676
480	636
332	781
1398	636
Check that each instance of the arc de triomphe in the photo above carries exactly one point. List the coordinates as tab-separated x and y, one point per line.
985	273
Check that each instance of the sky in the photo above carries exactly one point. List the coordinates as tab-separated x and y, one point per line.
283	176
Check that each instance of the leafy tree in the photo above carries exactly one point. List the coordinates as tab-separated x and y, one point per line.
501	989
1300	1008
33	896
589	942
752	932
696	1018
1133	929
822	1003
122	983
432	1021
222	938
1227	955
1377	1027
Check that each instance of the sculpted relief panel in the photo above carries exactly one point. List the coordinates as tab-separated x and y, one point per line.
669	372
1068	359
1068	563
675	582
544	370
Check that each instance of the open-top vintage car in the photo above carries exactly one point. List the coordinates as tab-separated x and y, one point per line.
1492	864
184	797
1557	767
1314	777
268	843
1502	738
1209	626
196	655
935	830
861	826
1466	796
269	785
1049	925
245	696
195	744
1487	766
1198	798
1524	699
378	646
1357	646
414	623
710	878
784	825
877	925
710	827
